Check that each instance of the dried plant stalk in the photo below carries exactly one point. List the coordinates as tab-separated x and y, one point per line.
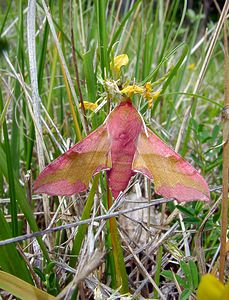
225	116
31	16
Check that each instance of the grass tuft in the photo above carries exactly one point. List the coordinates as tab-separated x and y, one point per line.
55	55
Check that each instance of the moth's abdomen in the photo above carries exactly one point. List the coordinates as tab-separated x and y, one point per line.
120	174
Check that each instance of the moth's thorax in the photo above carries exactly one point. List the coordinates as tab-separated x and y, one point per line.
124	124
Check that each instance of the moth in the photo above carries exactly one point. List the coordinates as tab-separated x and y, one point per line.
123	146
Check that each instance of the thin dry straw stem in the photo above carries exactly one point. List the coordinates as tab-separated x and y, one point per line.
31	17
214	261
157	244
61	55
139	263
25	88
52	136
198	239
198	44
89	266
123	35
17	19
116	20
225	116
6	31
64	145
185	236
54	217
115	205
8	101
128	35
82	27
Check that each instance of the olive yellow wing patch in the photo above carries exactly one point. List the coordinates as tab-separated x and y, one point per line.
172	175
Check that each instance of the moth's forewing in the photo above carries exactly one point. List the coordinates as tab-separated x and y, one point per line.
173	177
71	172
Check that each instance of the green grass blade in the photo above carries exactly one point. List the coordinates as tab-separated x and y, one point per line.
171	19
138	76
77	243
4	111
122	24
158	270
152	75
181	74
175	69
120	268
13	201
10	259
22	289
5	18
186	270
30	145
16	123
23	203
109	263
101	19
52	80
172	75
194	274
89	75
42	57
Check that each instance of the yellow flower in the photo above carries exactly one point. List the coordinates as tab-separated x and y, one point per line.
145	91
149	95
119	61
89	105
210	288
191	67
132	89
156	95
148	87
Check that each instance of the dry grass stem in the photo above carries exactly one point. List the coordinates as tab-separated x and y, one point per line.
225	196
31	17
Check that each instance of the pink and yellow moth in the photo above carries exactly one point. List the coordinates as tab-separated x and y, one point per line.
123	146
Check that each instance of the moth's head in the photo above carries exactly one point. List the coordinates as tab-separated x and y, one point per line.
124	99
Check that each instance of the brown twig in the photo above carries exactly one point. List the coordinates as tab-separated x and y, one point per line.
144	271
225	117
198	239
78	223
77	76
33	274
